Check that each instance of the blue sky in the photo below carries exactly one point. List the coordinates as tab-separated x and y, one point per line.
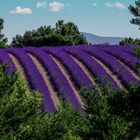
100	17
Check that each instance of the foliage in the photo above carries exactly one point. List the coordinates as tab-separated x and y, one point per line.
130	41
126	105
21	116
3	40
103	123
136	51
109	114
18	108
112	114
65	124
135	11
133	109
62	34
133	113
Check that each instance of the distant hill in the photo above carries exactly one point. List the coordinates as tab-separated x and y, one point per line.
94	39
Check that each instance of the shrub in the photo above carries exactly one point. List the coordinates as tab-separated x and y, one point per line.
21	116
103	123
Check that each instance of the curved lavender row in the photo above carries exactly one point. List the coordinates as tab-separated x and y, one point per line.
35	79
126	48
77	74
126	58
60	82
5	59
96	69
123	47
117	68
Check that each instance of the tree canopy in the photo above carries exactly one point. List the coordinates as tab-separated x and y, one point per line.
130	41
3	40
135	11
62	34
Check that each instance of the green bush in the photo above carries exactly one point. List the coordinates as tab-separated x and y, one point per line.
136	51
19	108
112	114
21	116
103	123
63	125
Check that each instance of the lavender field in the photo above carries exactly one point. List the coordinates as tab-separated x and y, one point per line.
61	72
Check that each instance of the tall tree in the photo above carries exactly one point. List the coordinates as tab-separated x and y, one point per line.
3	40
135	10
128	41
62	34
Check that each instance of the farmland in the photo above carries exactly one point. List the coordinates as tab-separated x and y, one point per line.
69	70
62	71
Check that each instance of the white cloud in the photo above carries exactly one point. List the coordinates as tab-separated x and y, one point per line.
94	4
120	5
41	4
56	6
109	5
116	5
20	10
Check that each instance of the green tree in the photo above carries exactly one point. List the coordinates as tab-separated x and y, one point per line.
103	122
66	124
3	40
62	34
127	41
135	10
18	107
21	117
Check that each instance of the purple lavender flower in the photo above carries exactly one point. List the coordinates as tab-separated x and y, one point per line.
34	77
57	78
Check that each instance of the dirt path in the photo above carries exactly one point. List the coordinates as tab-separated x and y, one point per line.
89	74
66	74
86	71
115	78
129	69
20	70
46	80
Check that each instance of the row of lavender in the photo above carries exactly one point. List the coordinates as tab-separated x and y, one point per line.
59	81
110	56
116	58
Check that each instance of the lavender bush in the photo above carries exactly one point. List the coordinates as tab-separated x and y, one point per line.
35	79
95	68
58	79
117	68
77	74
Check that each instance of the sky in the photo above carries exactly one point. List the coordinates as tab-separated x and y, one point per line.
101	17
